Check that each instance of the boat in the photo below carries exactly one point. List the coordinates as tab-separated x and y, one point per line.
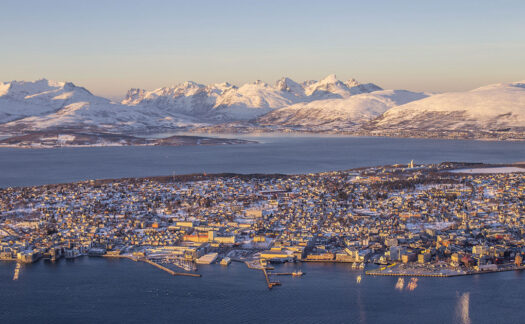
297	273
358	279
225	261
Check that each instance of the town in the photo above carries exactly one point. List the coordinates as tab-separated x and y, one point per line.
416	220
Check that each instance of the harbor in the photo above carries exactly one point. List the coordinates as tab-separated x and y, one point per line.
442	273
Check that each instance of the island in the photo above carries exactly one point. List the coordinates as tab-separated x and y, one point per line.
67	138
435	220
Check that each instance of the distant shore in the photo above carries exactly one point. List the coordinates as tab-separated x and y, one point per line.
55	139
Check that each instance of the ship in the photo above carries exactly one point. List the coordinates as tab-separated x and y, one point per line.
226	261
297	273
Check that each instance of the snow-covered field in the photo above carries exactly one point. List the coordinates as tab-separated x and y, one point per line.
490	170
492	107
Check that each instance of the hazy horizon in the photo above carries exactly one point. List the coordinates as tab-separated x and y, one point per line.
112	47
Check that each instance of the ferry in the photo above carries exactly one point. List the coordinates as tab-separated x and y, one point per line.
225	261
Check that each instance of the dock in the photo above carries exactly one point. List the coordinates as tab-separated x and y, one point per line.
270	284
121	256
171	272
412	273
295	273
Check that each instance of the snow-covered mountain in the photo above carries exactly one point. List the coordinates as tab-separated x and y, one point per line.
224	102
187	98
19	99
331	88
338	114
493	107
45	104
325	105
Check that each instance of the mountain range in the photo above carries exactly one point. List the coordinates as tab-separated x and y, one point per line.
328	105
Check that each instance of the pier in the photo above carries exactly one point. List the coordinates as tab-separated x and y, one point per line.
270	284
295	273
413	273
173	273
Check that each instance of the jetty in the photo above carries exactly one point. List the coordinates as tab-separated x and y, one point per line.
173	273
270	283
295	273
442	273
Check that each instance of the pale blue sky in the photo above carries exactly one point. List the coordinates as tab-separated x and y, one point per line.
110	46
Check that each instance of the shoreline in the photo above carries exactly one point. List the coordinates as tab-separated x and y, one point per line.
441	275
374	272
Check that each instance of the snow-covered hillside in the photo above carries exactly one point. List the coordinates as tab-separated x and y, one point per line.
325	105
342	114
492	107
19	99
45	104
187	98
330	87
224	102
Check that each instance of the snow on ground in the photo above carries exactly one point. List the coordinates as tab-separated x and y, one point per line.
490	170
494	106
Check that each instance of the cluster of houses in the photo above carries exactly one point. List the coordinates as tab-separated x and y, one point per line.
423	215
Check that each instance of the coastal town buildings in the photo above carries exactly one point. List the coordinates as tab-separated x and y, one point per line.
429	216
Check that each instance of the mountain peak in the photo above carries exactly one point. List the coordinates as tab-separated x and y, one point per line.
352	83
332	78
288	85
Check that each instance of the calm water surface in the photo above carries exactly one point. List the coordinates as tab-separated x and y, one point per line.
89	290
21	167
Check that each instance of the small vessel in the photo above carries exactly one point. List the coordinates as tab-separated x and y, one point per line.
400	284
358	279
362	266
225	261
297	273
